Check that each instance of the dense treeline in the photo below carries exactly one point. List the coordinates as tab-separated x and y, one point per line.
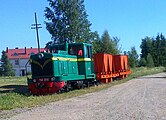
153	51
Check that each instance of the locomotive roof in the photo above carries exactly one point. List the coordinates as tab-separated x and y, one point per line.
79	44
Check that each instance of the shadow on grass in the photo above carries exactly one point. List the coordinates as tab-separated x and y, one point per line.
20	89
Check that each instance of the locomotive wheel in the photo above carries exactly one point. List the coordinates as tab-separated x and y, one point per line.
97	83
83	86
58	92
67	89
88	84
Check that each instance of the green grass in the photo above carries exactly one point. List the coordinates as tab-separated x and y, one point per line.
14	94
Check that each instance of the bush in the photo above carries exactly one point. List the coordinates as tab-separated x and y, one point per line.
142	62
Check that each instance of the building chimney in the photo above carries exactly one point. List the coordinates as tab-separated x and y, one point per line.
25	50
7	49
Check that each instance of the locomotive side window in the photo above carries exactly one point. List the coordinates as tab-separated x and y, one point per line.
75	50
90	51
71	51
88	55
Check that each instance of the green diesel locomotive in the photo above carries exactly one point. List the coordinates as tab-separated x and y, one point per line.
61	68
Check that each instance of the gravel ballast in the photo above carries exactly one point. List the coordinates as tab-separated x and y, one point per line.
143	98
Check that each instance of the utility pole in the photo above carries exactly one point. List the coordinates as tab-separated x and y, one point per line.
36	26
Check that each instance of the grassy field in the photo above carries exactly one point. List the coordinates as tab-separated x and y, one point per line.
14	93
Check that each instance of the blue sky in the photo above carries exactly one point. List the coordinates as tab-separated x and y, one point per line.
130	20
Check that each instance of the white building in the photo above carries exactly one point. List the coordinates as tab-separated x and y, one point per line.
19	58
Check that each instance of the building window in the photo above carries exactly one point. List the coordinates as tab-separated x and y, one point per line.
16	62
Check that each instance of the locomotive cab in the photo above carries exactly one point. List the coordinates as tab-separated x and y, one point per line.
83	51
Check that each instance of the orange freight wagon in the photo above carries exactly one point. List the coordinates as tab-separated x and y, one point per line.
121	65
104	69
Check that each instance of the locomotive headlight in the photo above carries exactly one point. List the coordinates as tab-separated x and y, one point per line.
40	55
34	80
53	78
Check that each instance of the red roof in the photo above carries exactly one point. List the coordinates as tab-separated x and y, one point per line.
22	53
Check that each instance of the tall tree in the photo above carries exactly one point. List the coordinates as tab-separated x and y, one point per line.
146	47
67	21
133	57
157	50
162	50
106	43
117	48
109	45
96	42
150	62
7	69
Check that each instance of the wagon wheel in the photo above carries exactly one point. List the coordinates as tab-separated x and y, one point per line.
97	83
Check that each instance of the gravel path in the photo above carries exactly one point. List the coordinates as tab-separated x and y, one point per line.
139	99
